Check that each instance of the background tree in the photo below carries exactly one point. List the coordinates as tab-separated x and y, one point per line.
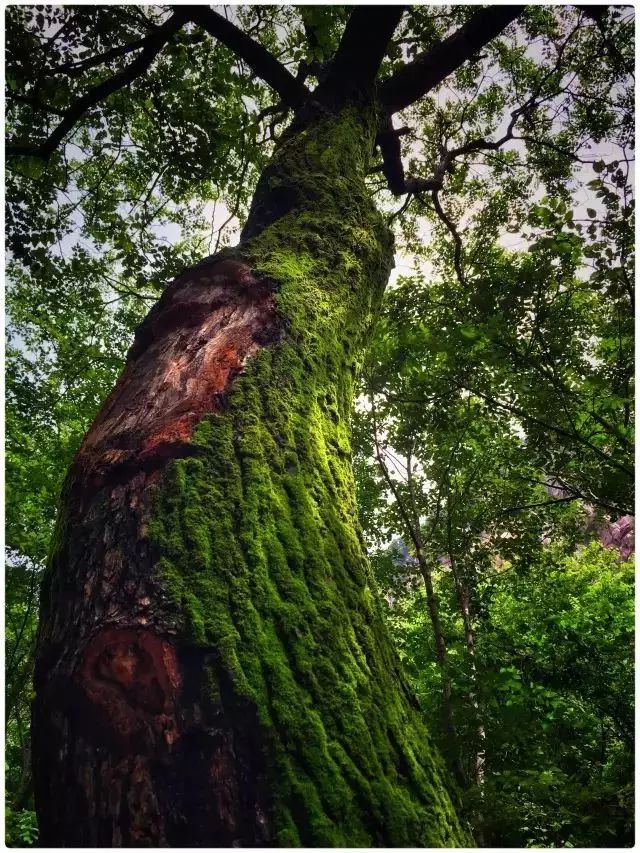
110	141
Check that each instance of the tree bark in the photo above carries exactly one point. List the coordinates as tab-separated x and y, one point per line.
213	668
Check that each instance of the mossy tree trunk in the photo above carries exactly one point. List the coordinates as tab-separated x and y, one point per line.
213	664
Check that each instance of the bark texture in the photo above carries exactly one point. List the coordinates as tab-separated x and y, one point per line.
213	664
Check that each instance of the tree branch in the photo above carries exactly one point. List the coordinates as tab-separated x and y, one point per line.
361	50
393	170
74	68
387	140
35	103
100	91
574	434
428	69
263	64
457	252
309	29
513	509
520	413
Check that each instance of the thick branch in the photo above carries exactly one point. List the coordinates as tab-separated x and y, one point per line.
362	49
417	78
309	28
263	64
99	92
596	13
388	139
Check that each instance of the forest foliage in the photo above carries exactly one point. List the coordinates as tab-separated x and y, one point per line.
494	428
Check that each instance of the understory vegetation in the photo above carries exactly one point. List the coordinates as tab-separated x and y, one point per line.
492	431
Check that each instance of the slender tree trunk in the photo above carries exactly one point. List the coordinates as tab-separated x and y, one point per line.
462	591
411	519
213	667
454	752
479	758
469	638
441	657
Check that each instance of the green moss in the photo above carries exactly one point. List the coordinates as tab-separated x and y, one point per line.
261	560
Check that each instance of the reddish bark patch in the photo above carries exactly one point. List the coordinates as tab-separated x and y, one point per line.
133	678
198	337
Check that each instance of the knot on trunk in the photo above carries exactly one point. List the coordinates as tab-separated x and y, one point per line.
134	679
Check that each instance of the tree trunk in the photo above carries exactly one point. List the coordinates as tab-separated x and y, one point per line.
213	667
462	591
453	746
